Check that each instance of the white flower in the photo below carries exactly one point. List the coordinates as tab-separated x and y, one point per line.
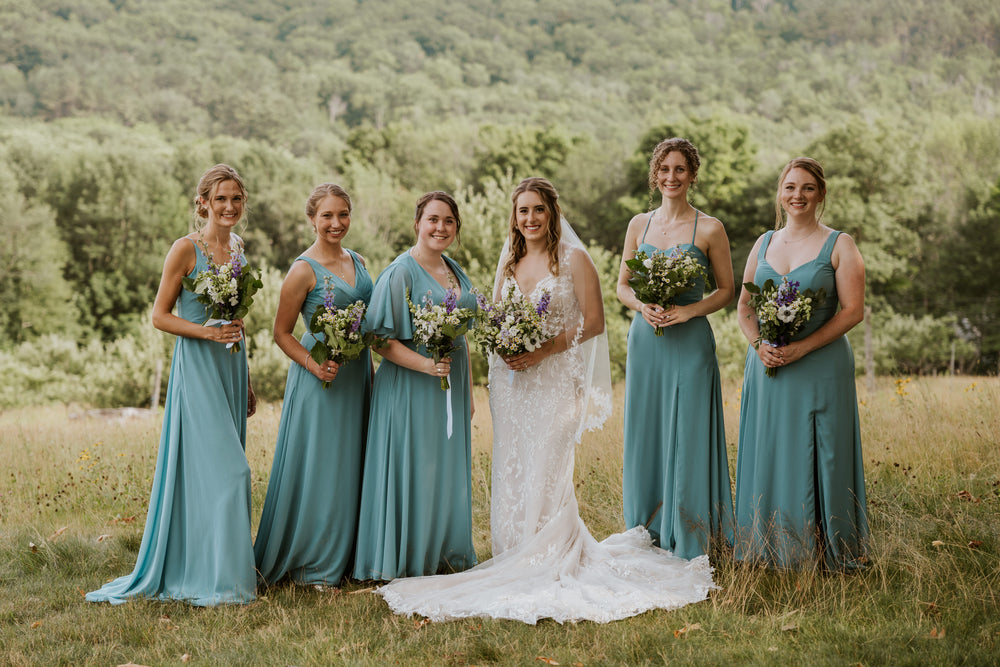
786	313
648	262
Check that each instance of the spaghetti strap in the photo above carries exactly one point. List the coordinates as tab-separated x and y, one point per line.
695	232
648	220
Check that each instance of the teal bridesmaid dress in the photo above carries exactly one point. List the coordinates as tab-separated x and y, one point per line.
800	486
310	516
416	494
675	470
196	544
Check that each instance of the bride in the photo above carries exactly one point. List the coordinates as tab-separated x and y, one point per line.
546	564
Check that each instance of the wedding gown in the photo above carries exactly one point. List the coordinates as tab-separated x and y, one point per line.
546	564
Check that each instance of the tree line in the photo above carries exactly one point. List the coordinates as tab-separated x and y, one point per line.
108	113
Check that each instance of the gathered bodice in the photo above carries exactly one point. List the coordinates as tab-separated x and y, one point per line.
815	274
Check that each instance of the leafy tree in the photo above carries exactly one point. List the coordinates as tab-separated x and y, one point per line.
34	297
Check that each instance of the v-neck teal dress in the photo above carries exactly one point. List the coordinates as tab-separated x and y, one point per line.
800	485
196	543
416	495
310	516
675	469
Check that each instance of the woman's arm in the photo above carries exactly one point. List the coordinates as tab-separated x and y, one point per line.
651	312
180	261
294	290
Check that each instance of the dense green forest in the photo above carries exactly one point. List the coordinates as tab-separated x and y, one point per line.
110	110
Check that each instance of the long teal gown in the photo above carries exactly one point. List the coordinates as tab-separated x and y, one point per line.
675	468
416	494
800	486
196	544
310	516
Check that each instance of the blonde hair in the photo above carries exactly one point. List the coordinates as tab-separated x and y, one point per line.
207	184
321	192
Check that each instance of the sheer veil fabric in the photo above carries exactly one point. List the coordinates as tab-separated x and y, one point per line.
546	564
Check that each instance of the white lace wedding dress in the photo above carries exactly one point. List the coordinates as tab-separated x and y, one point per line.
546	564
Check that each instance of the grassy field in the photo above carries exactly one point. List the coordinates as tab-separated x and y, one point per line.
73	492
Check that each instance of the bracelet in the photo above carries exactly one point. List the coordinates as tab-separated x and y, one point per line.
305	364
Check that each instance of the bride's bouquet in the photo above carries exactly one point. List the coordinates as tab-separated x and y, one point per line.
782	310
660	277
437	325
514	325
343	339
227	288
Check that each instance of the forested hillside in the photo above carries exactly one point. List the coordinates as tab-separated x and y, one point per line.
109	111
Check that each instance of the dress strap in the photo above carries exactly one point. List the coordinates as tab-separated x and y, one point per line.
764	243
648	220
826	252
695	232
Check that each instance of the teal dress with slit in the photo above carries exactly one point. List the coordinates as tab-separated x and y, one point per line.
675	475
800	486
416	494
196	543
309	521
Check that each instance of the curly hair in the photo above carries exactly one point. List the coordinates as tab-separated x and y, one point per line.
550	199
815	169
682	146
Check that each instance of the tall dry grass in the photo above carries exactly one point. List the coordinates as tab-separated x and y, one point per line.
73	493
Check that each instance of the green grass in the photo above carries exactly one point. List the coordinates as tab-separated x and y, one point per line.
76	489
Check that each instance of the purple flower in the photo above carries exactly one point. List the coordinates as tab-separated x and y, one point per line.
450	300
543	304
237	264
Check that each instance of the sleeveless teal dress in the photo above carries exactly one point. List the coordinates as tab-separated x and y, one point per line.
800	486
675	468
416	494
196	544
310	515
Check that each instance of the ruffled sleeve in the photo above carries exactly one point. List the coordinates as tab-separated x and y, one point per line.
388	315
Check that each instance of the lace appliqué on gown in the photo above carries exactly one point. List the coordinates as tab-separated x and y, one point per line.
546	563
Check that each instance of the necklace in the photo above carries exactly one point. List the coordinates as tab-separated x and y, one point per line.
437	272
801	238
340	268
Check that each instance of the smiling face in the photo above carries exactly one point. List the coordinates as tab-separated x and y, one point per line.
532	216
436	227
800	194
332	219
674	176
225	204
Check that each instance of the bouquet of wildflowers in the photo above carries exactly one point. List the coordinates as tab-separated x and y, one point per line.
438	325
782	310
343	339
660	277
513	325
227	288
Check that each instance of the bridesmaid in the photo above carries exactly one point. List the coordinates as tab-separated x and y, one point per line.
675	472
416	494
309	520
196	545
800	487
